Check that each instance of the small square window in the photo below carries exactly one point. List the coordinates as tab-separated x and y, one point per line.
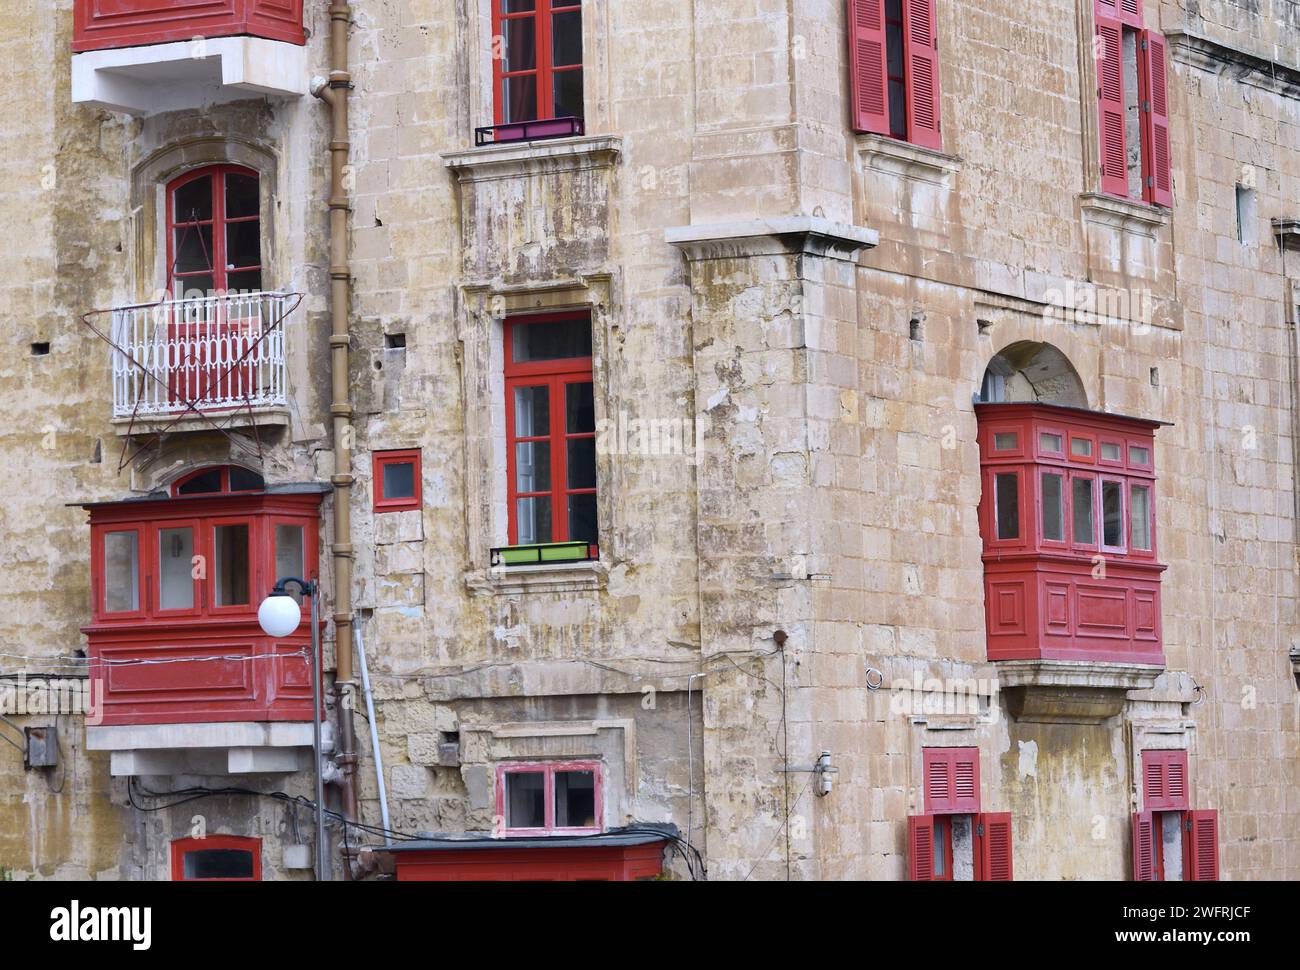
550	798
1111	451
396	481
1138	455
1049	442
1081	447
1006	441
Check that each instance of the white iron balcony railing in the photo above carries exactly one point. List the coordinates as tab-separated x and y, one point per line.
203	354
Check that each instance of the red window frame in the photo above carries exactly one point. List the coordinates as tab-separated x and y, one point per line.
555	375
382	459
550	769
220	271
223	489
181	847
544	67
869	45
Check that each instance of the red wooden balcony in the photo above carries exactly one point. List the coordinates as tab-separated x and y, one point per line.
105	24
176	582
1067	515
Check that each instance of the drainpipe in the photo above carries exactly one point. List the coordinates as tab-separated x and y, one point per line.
334	92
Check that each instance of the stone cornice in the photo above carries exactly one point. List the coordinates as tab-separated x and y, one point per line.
1214	57
783	235
514	159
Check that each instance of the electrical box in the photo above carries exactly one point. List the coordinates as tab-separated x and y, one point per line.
297	857
42	747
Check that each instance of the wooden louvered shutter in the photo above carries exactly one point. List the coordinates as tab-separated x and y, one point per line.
937	766
920	848
1129	12
1156	179
952	780
993	847
921	72
1144	859
965	780
1110	107
1164	780
868	79
1153	780
1201	845
1176	779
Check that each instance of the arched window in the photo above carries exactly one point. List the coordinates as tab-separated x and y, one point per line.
214	231
218	480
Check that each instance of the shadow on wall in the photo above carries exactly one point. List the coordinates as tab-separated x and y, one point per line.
1030	371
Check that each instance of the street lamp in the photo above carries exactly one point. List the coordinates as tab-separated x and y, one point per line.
279	616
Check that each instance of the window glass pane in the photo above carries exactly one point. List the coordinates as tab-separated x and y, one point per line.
582	462
242	480
1053	508
558	340
575	799
230	565
194	287
1111	451
940	852
520	53
517	6
1081	447
533	517
566	38
399	479
193	250
520	102
243	244
241	196
532	411
582	517
1006	441
1084	531
202	484
532	466
1112	514
192	202
1140	513
1139	456
1049	442
1006	492
568	93
121	572
290	557
175	569
248	281
525	799
219	864
580	409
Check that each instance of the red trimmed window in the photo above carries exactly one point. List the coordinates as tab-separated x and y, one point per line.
217	858
550	429
1170	840
1067	514
396	480
1133	104
214	231
536	61
550	798
894	69
954	840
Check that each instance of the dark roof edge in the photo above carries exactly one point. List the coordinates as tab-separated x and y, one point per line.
161	495
644	833
1074	409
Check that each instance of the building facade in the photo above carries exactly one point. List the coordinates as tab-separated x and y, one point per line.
839	439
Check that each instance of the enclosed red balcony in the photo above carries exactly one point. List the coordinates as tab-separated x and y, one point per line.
174	639
1067	515
103	24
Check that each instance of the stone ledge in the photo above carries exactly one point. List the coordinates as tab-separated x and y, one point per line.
1070	691
906	160
1125	214
220	748
781	235
515	159
546	578
240	420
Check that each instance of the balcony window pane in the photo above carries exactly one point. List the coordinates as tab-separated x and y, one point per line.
195	287
525	799
230	564
1139	456
243	244
532	411
202	484
246	281
517	6
580	410
1006	493
582	517
175	569
1112	514
1049	442
1081	447
1006	441
568	93
1140	514
243	480
582	462
534	518
520	98
192	202
399	480
940	847
1084	529
218	864
551	341
241	196
193	249
121	572
1053	508
566	38
1111	451
520	52
575	799
532	466
290	556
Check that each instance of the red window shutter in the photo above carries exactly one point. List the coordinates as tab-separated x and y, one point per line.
1130	11
1176	779
920	848
921	70
1164	780
937	763
1144	860
966	780
1153	780
867	77
1156	179
1201	841
1110	110
952	780
993	847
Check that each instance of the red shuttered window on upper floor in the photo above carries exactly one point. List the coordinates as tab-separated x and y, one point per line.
952	780
894	69
1132	104
536	60
1164	780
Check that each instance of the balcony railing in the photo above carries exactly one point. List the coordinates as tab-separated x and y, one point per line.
214	353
